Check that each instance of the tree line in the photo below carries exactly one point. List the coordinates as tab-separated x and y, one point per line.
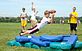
17	19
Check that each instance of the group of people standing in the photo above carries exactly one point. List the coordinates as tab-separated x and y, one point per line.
48	18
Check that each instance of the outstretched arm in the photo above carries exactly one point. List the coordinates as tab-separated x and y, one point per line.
32	5
23	32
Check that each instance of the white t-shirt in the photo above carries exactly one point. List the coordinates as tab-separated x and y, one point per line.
23	14
33	15
44	22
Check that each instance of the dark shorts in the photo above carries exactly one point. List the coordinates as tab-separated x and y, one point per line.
73	26
34	31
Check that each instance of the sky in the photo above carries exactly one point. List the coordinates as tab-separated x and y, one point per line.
63	7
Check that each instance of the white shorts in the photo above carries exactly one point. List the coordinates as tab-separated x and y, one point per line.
33	19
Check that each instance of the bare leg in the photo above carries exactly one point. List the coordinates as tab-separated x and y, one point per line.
23	28
75	32
71	32
24	32
29	31
33	23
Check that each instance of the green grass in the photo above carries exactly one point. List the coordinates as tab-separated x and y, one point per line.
8	31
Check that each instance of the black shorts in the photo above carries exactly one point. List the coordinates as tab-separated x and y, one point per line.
73	26
34	31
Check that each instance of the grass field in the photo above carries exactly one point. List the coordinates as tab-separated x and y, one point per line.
8	31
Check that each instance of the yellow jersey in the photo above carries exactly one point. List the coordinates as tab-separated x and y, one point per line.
24	19
74	19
